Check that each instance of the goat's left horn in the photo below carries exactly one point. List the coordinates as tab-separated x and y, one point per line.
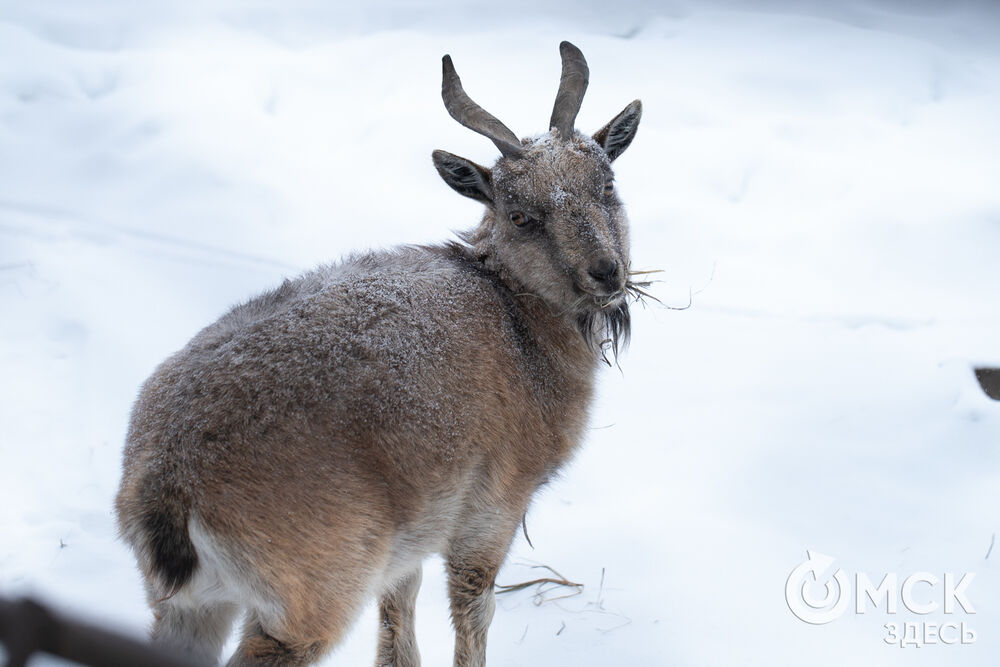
572	86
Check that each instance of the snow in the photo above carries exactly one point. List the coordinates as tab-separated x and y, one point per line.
823	176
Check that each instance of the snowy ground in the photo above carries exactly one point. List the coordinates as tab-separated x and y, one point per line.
827	178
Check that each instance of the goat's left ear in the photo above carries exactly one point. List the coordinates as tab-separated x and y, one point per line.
464	176
619	133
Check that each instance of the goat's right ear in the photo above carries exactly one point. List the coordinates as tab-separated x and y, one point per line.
464	176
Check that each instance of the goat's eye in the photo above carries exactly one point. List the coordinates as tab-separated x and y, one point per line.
518	218
609	188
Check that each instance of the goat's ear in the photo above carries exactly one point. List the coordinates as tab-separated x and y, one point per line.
464	176
619	133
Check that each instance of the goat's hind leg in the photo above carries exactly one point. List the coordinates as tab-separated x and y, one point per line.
301	625
397	641
198	630
258	648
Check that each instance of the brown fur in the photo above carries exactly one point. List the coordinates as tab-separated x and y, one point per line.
310	448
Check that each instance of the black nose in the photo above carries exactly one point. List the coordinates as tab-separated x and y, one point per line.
605	272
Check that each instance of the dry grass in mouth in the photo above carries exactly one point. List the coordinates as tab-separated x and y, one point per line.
637	289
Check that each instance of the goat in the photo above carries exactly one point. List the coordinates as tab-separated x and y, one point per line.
309	449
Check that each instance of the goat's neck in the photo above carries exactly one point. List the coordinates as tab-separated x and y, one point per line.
556	333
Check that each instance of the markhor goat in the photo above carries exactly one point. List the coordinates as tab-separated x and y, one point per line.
312	447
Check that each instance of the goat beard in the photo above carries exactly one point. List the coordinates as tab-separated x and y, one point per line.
605	329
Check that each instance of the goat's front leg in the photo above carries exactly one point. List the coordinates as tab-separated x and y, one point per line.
473	561
397	642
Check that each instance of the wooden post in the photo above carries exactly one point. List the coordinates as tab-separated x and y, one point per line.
27	627
989	380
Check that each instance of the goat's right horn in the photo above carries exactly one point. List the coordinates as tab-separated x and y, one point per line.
572	86
473	116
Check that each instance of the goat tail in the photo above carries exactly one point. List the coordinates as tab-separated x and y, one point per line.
154	520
